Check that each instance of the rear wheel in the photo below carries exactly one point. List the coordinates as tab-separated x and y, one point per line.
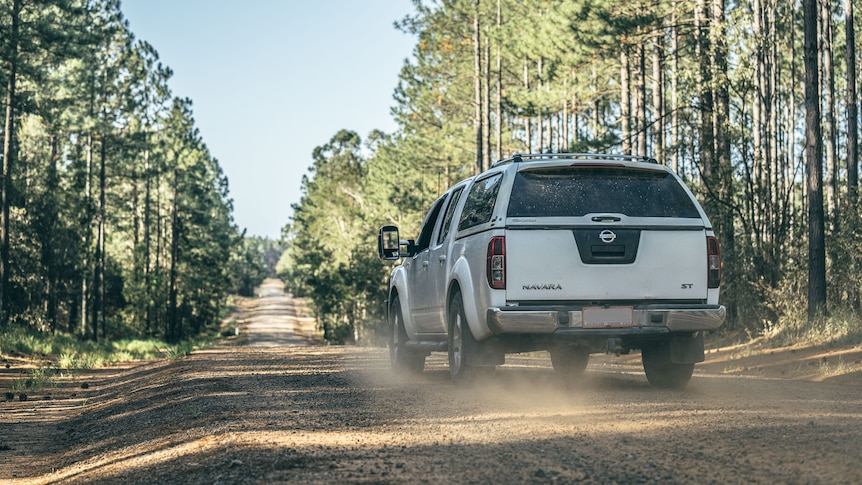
569	362
402	358
462	344
661	371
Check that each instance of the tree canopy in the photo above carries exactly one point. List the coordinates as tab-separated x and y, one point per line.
116	218
711	88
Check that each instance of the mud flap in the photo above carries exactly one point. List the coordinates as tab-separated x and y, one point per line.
687	348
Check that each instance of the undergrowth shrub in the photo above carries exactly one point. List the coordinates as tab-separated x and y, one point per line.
68	352
791	325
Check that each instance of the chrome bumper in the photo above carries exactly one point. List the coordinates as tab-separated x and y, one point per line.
549	320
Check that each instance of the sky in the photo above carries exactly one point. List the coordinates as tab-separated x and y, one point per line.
270	80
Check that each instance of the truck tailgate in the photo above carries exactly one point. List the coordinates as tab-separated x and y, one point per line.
595	265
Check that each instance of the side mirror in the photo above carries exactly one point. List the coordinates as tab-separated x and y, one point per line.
389	243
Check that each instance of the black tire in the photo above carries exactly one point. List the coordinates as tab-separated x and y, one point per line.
661	372
569	362
402	358
462	345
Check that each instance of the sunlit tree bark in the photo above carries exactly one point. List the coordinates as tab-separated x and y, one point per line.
814	166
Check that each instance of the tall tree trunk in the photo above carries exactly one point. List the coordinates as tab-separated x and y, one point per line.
563	146
87	230
499	87
852	141
8	160
598	119
707	142
49	248
658	98
725	226
558	130
541	122
640	102
148	316
814	166
759	121
774	195
790	169
625	101
575	124
486	108
477	86
643	109
98	314
674	88
852	110
828	90
528	133
158	289
172	333
540	135
760	187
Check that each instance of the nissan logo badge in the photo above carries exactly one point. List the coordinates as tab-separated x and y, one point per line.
607	236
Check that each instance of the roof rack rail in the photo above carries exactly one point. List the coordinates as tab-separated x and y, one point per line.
519	157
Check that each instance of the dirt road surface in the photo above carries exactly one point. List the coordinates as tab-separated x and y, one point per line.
304	413
275	319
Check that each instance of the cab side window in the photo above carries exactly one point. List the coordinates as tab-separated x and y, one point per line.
479	205
450	212
423	241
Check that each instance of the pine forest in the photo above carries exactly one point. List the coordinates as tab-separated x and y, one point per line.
116	220
753	103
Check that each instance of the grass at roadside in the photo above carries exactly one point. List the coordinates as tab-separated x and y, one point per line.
829	348
840	329
68	352
44	358
31	361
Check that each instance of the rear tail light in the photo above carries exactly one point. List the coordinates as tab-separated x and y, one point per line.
713	262
497	263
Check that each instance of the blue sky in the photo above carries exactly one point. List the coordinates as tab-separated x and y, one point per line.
272	79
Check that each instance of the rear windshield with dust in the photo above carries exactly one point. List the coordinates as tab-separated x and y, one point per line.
575	192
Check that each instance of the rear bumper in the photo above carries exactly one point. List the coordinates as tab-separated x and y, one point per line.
647	319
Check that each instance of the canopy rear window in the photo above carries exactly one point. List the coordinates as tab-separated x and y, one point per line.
575	192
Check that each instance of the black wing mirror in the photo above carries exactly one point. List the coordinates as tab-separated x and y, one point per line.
389	243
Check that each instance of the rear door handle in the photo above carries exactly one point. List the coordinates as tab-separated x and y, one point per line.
442	258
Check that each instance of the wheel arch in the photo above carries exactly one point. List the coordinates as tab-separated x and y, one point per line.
462	281
398	289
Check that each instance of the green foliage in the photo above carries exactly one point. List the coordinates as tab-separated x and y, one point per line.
66	352
331	256
179	350
841	327
37	379
251	262
561	85
120	218
61	354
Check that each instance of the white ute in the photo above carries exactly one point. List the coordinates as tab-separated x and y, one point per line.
570	253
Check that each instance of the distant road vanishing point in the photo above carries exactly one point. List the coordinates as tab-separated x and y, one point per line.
275	318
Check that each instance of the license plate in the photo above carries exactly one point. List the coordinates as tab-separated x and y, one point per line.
611	317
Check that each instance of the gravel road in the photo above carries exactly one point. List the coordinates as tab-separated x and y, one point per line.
322	414
275	319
